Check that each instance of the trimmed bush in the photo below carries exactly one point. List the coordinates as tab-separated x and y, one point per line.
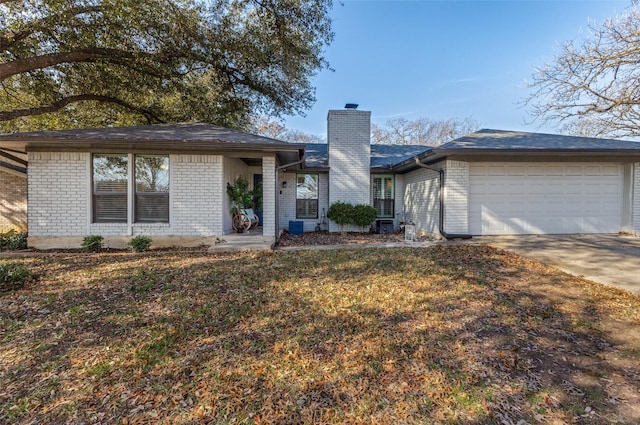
364	215
341	213
13	276
92	243
140	243
12	241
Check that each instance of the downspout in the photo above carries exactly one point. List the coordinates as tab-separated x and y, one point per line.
441	215
282	167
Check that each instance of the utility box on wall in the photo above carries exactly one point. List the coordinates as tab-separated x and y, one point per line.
296	227
385	226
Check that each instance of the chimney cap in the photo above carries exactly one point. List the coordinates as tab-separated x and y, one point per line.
351	106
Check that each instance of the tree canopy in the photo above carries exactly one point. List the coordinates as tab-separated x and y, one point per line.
74	63
592	86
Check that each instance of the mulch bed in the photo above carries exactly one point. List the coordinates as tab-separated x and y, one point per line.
348	238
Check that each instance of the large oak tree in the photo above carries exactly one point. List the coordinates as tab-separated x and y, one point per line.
592	86
75	63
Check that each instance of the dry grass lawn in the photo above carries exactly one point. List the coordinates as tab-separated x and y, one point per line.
448	334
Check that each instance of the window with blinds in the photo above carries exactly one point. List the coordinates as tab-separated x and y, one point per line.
152	189
383	196
110	188
306	196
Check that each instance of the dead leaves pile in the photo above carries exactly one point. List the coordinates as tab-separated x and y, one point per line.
448	334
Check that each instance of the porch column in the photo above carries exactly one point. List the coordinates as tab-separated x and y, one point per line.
269	196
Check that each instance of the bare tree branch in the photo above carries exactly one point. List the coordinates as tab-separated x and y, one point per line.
592	87
422	131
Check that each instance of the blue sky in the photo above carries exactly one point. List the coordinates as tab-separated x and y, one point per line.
443	59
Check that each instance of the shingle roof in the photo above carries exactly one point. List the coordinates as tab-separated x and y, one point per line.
388	155
382	156
316	155
488	139
181	132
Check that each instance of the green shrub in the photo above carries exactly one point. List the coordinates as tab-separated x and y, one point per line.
140	243
341	213
13	276
239	194
364	215
13	240
92	243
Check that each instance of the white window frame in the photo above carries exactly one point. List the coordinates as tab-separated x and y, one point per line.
383	178
131	191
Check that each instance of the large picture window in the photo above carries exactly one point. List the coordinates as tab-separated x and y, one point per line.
110	188
111	185
307	196
383	197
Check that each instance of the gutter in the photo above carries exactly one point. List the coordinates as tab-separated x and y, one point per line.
441	215
13	169
277	218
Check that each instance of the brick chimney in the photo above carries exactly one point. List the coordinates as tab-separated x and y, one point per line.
349	140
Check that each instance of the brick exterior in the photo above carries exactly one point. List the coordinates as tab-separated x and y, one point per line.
269	196
456	197
60	198
349	138
59	185
422	200
287	200
196	192
636	198
13	202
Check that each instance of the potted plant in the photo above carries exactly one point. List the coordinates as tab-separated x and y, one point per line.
240	197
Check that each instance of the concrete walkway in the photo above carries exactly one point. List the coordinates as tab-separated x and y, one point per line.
608	259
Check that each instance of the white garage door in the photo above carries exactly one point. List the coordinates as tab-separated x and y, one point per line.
539	198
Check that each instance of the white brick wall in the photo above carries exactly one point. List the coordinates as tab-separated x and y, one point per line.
197	194
422	200
268	196
58	188
287	201
636	198
456	197
60	198
349	137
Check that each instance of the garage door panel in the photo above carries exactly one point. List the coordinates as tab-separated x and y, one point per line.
554	170
544	198
535	170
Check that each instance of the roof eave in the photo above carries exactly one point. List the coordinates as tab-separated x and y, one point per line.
617	155
409	164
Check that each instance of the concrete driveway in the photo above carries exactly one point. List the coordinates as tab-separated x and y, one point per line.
609	259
